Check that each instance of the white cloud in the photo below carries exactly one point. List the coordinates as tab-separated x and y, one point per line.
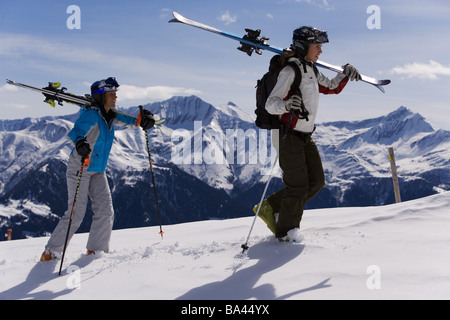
270	16
8	88
324	4
17	105
164	13
227	18
430	71
128	92
64	58
24	46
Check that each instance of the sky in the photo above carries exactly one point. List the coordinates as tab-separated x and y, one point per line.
46	40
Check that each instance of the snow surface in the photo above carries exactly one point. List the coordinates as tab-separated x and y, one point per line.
399	251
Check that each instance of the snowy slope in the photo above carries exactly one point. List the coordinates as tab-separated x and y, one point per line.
390	252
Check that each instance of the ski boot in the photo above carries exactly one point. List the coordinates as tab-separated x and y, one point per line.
267	215
285	239
47	256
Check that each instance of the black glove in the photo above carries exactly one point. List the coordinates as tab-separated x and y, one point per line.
83	148
147	120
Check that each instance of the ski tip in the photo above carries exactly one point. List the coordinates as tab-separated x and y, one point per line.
381	88
382	83
176	16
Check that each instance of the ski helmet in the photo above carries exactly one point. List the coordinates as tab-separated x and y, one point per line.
306	36
98	88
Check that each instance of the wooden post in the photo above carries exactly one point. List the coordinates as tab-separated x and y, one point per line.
9	234
398	199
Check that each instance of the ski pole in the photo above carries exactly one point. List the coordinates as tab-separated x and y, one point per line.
161	232
245	246
84	163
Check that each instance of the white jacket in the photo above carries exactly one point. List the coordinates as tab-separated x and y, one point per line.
310	87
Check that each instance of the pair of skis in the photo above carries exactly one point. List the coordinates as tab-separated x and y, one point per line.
54	94
252	42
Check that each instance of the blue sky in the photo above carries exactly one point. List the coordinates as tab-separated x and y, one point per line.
154	60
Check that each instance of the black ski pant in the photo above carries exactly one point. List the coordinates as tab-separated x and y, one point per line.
303	177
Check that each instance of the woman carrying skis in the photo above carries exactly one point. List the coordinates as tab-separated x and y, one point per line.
300	161
92	135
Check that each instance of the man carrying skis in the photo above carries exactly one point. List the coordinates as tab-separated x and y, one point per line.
300	161
92	135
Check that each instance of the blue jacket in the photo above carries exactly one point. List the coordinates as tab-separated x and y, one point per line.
98	133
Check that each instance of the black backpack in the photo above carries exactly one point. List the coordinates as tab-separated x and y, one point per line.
264	87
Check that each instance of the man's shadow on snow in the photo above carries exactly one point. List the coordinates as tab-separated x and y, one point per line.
241	284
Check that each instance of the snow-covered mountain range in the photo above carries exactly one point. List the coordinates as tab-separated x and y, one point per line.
210	163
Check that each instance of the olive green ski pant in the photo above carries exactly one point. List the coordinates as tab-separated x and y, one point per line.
303	177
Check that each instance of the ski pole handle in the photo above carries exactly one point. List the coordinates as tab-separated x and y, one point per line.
85	161
139	118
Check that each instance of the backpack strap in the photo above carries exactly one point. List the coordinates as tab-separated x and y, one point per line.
295	90
295	87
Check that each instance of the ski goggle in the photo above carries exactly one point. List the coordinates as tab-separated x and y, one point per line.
311	35
321	37
102	86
